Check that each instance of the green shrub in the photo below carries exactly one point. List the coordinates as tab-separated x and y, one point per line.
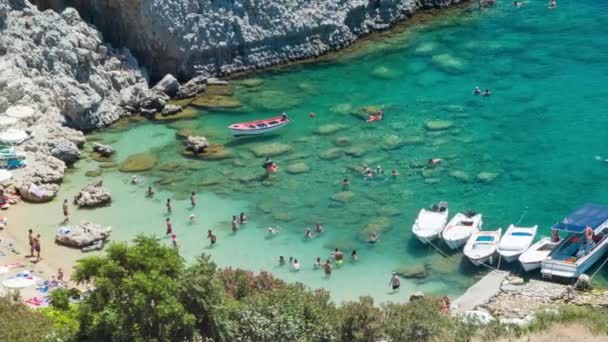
19	323
360	321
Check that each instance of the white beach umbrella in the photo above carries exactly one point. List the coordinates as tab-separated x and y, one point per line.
18	282
20	112
6	121
5	175
13	136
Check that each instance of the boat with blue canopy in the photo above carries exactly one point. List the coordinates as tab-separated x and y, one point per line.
586	242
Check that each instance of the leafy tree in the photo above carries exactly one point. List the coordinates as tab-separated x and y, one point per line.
291	313
136	295
60	299
360	321
239	284
421	320
19	323
202	294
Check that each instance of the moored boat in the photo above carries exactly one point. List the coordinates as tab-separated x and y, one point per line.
460	228
481	246
585	244
516	241
430	222
532	258
259	126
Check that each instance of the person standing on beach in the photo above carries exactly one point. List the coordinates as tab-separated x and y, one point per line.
193	200
395	282
30	237
168	205
66	214
37	247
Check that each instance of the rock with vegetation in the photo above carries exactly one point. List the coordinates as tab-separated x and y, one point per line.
208	101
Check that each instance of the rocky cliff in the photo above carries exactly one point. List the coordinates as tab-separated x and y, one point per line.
224	36
57	68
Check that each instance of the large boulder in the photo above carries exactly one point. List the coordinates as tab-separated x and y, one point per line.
83	234
104	150
168	85
37	193
92	196
192	88
65	150
197	144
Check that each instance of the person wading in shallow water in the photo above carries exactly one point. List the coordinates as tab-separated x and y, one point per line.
212	238
168	205
66	214
327	268
395	282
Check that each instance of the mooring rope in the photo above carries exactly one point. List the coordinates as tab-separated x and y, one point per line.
596	271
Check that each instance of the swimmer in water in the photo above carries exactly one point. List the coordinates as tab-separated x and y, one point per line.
434	161
395	282
327	268
353	256
345	184
394	173
337	255
273	230
212	238
318	228
135	180
373	238
487	92
308	234
168	205
174	241
517	3
369	174
295	265
193	200
191	218
150	192
281	261
365	169
477	91
235	224
552	4
379	170
169	226
317	264
242	218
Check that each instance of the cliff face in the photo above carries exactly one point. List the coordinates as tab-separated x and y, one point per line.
224	36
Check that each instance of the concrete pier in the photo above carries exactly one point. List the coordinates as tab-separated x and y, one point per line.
480	293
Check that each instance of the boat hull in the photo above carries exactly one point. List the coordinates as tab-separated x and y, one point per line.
484	260
510	258
426	239
240	132
530	266
456	243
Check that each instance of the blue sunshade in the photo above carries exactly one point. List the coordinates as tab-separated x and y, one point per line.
591	215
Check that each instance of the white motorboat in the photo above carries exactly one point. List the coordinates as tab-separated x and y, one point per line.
586	243
481	246
430	222
516	241
532	258
460	228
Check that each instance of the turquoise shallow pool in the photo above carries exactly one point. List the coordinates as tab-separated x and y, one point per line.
532	151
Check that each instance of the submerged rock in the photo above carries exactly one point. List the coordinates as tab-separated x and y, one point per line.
355	151
93	195
92	173
377	225
448	62
330	129
342	108
186	113
331	154
211	152
416	272
270	149
342	141
461	176
216	102
138	162
384	73
392	142
486	177
343	196
251	82
438	125
274	100
297	168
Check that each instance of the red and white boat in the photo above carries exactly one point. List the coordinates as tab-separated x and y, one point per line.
259	126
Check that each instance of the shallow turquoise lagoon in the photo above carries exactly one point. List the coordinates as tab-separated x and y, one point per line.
531	152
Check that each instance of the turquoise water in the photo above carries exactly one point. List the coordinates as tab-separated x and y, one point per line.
531	152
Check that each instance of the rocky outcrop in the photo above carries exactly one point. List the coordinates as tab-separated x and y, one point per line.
104	150
197	144
92	196
59	63
183	37
83	234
